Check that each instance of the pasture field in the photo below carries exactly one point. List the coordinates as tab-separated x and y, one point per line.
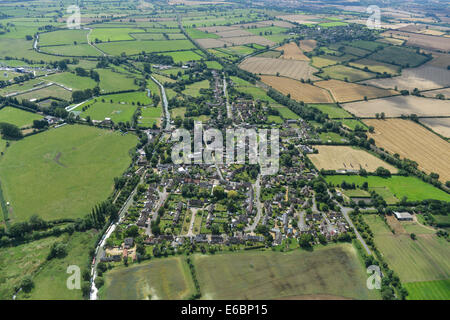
184	56
401	56
274	119
136	47
79	50
21	48
18	117
426	77
194	88
256	92
17	261
72	167
411	187
111	81
376	66
20	87
50	281
438	125
53	91
213	65
150	116
299	91
286	113
347	158
117	111
366	45
287	68
332	137
177	112
63	37
112	34
398	105
424	259
333	111
71	80
411	140
352	124
343	91
341	72
292	52
167	278
429	290
294	275
328	60
199	34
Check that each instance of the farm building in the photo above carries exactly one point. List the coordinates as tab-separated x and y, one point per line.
403	216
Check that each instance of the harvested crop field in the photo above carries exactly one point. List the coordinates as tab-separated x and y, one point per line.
399	105
308	45
425	77
299	91
346	158
438	125
411	140
288	68
434	93
422	40
237	41
345	92
440	60
292	52
376	66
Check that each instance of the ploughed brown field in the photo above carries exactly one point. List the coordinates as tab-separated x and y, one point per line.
287	68
345	92
411	140
299	91
421	40
292	52
347	158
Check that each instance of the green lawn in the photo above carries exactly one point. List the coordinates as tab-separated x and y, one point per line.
18	117
213	65
271	275
286	113
111	81
64	172
256	92
150	116
411	187
166	278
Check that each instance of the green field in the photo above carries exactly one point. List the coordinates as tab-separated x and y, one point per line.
352	124
64	172
53	91
18	117
376	66
332	137
198	34
424	259
286	113
272	275
411	187
135	47
328	60
111	81
333	111
429	290
213	65
341	72
399	56
62	37
256	93
167	278
25	259
72	81
50	281
79	50
194	89
183	56
113	34
150	116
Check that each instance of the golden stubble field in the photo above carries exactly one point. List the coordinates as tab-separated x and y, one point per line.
299	91
347	158
346	92
411	140
287	68
292	52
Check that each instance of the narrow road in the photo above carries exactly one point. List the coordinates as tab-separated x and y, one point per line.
191	225
345	212
225	93
165	103
257	191
162	199
91	44
99	250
